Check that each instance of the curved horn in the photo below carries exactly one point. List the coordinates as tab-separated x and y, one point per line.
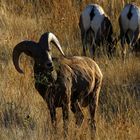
48	37
28	47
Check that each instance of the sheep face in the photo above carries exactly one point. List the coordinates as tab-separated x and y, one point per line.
40	52
43	62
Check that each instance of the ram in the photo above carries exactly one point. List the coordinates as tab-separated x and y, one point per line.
96	29
129	22
66	82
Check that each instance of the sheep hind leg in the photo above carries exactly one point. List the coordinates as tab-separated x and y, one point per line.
92	123
92	43
83	35
135	37
123	47
84	42
93	107
79	116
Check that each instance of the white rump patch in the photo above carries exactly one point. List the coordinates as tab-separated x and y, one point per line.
134	22
95	24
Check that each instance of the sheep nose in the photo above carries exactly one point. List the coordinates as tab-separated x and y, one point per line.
49	65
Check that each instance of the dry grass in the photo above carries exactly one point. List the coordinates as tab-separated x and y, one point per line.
23	113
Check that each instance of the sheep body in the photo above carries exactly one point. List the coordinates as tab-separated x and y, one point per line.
132	21
66	82
89	20
95	23
77	85
78	73
129	22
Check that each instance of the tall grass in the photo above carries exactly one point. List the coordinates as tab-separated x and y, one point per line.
23	113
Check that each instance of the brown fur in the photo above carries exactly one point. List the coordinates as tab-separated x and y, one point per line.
77	85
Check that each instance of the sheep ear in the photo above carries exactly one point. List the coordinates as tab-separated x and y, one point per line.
28	47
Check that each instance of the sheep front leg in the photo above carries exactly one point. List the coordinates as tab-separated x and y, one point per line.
53	116
65	111
78	113
52	110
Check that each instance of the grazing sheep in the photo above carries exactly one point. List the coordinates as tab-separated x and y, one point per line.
129	22
67	82
96	26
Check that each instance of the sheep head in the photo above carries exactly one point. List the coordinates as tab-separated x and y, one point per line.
40	52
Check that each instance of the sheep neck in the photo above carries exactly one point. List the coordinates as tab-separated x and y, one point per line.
46	79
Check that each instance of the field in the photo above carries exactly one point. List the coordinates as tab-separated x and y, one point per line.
23	112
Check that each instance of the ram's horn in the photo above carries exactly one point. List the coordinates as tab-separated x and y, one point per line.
28	47
47	38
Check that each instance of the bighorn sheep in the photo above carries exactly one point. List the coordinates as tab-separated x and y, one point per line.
96	26
129	22
67	82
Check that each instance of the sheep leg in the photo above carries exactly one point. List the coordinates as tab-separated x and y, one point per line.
92	112
135	37
53	119
83	35
65	112
91	35
122	38
92	49
109	54
79	116
93	106
84	42
52	110
92	123
123	46
53	116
